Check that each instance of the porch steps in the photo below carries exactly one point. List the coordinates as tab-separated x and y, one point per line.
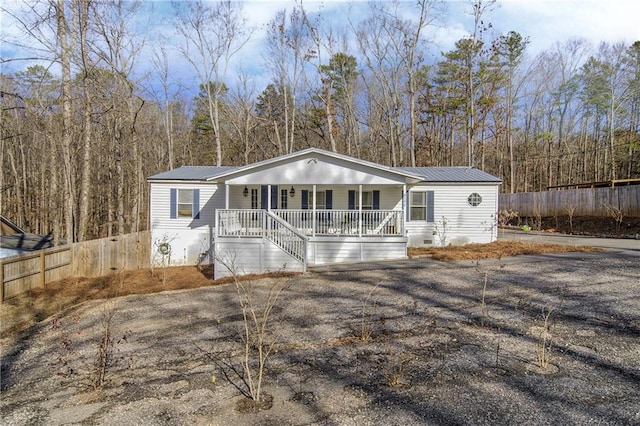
286	237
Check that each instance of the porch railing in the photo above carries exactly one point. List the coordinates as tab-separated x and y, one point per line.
241	223
254	223
345	222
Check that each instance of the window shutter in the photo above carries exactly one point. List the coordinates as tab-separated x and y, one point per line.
274	197
305	199
196	204
173	201
352	200
328	199
264	193
430	207
376	200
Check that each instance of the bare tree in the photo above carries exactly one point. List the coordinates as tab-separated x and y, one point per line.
286	46
321	43
213	33
408	48
67	40
383	79
241	117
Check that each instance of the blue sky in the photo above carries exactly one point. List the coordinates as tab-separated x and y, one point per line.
545	22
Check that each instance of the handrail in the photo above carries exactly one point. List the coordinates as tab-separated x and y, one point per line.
286	237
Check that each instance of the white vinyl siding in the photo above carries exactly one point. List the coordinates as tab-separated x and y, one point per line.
464	223
188	237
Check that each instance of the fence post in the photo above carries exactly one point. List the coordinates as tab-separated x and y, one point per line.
43	269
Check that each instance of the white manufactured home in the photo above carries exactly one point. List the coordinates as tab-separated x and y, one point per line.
314	207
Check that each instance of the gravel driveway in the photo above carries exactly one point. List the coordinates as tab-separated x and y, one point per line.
395	343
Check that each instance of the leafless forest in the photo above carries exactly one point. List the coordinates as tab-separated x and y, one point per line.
98	108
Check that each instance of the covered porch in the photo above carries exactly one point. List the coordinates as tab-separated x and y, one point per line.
366	224
317	210
309	209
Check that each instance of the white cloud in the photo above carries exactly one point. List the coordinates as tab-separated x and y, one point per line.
549	21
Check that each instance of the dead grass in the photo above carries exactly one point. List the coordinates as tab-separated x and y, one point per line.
495	250
22	311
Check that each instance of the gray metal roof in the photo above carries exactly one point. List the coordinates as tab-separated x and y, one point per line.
450	174
193	173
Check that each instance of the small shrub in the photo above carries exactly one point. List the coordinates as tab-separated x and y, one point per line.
616	213
544	344
506	216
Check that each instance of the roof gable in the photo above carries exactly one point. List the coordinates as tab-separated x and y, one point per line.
314	156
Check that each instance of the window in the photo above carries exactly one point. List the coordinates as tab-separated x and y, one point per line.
185	202
367	200
421	205
324	199
320	200
474	199
283	198
254	198
418	209
370	200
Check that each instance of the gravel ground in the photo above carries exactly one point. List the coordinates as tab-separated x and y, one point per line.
394	343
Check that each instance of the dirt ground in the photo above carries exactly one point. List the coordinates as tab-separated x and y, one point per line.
25	310
534	339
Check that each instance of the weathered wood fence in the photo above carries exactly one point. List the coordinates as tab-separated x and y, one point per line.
92	258
587	201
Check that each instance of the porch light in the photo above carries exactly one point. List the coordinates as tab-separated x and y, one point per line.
245	191
292	192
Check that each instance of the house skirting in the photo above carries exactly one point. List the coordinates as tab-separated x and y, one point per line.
247	255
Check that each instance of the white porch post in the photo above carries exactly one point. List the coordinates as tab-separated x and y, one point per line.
313	209
269	197
405	207
227	188
360	210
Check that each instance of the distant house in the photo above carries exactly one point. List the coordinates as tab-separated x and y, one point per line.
14	240
315	207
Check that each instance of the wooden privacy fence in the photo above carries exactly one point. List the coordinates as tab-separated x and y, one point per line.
92	258
587	201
